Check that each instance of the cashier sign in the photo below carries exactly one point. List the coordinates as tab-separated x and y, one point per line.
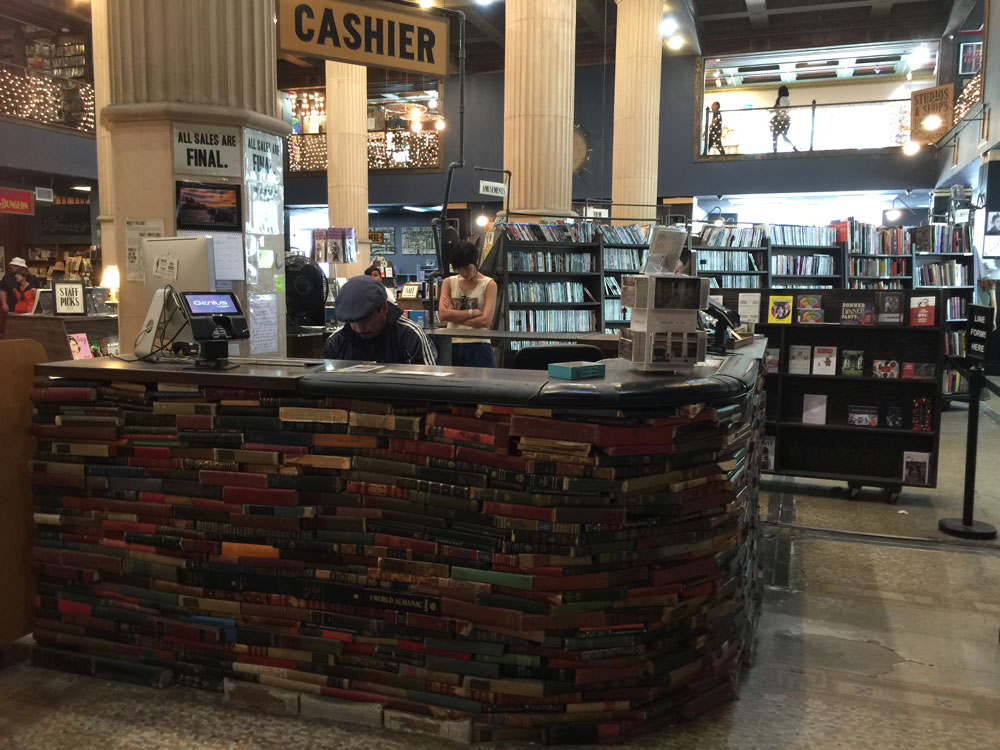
364	33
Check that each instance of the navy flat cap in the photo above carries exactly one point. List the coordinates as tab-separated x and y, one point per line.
359	298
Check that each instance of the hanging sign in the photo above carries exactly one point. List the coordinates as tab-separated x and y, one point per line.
207	149
356	32
936	103
497	189
17	202
980	326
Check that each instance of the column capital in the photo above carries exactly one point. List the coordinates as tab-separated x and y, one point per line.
207	114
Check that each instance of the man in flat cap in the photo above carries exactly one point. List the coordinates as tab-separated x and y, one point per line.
376	330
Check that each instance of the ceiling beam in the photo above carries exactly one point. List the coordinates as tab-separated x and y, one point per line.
757	10
960	10
832	5
295	60
594	19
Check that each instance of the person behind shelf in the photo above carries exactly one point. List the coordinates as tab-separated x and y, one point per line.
780	120
468	300
23	293
57	272
375	330
715	130
9	281
376	273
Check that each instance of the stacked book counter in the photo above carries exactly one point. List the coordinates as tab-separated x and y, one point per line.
563	568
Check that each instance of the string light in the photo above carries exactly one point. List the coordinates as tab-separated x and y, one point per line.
398	149
51	101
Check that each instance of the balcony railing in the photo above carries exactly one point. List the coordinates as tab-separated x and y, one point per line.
388	150
811	127
59	102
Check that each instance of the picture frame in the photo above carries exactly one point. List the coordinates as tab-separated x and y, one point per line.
209	207
69	297
410	291
970	58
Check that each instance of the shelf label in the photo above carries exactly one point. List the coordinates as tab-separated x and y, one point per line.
497	189
980	326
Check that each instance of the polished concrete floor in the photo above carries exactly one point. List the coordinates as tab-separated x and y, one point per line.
877	632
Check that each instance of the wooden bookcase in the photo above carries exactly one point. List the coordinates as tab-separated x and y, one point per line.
836	450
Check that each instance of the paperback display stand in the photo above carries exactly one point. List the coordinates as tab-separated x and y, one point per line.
979	330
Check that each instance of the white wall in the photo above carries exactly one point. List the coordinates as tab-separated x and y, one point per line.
828	93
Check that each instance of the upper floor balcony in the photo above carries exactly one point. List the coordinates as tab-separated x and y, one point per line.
43	99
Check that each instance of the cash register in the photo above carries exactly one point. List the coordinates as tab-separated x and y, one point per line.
209	321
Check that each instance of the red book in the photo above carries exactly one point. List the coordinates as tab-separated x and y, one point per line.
921	311
39	395
595	434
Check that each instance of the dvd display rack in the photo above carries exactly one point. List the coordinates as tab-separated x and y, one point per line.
854	397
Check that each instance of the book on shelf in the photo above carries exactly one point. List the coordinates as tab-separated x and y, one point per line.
629	259
916	467
876	284
824	360
576	232
772	360
548	291
948	273
954	343
799	359
613	310
632	234
792	234
732	236
803	265
922	311
869	267
890	308
957	308
921	414
857	314
852	363
862	416
814	408
873	240
886	369
611	287
779	308
808	315
894	417
713	261
809	302
549	261
552	321
952	382
722	281
918	370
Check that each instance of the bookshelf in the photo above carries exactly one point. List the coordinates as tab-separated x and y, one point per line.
878	258
806	266
943	258
619	259
834	447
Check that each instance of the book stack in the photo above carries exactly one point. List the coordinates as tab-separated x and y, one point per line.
477	572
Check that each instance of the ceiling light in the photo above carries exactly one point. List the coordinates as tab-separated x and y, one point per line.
720	222
482	220
415	209
910	148
919	57
668	26
675	42
373	210
439	123
484	2
415	113
82	188
425	3
893	214
932	122
416	126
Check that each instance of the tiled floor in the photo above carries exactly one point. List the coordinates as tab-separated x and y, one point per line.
865	642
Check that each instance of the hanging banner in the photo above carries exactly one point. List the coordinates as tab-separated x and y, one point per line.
206	149
17	202
931	113
360	33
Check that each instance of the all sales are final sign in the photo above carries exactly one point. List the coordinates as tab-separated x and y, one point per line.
17	202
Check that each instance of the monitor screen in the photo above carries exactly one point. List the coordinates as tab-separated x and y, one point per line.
211	304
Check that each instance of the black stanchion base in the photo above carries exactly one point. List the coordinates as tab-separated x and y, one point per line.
978	529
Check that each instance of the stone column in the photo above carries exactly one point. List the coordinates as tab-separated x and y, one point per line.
635	151
159	65
539	73
347	156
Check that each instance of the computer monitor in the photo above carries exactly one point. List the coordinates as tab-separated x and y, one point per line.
185	263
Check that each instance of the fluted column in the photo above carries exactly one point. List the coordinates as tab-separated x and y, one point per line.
635	151
347	155
539	73
158	64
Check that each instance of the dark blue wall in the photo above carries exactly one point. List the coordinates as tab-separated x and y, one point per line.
679	173
34	149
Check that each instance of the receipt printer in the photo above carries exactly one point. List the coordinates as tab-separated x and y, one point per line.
215	319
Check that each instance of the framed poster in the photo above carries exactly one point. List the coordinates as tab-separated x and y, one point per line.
418	241
970	58
387	245
208	207
69	297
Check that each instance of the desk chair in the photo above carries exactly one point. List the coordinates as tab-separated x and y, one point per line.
540	357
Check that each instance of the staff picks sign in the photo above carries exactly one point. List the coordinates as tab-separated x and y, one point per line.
365	34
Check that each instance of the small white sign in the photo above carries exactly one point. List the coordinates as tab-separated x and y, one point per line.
496	189
135	231
207	150
596	213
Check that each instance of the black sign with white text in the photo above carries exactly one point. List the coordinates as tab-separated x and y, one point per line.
979	329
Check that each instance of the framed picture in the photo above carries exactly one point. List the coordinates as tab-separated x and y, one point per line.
69	297
208	207
970	58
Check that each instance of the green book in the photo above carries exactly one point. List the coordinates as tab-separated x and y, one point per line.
576	370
